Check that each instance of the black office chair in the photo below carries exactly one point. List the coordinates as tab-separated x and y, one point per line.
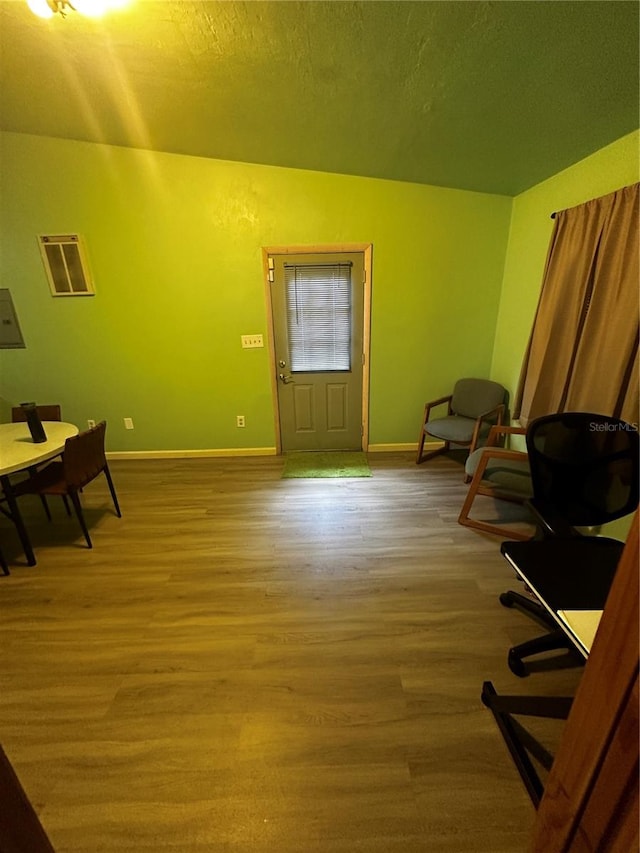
584	473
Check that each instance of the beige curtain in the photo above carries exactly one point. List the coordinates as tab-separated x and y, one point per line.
583	350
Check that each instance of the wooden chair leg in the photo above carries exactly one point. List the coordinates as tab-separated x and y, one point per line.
476	488
431	453
75	500
420	446
463	518
45	506
112	489
4	565
33	470
66	504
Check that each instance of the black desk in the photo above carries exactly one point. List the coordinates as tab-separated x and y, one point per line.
566	575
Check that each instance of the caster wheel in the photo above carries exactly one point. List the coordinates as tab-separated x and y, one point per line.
516	665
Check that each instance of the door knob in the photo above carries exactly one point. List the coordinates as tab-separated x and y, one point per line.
286	378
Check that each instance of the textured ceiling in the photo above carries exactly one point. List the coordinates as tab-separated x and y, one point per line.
490	96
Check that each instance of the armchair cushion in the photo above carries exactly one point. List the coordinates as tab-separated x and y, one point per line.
473	397
507	475
455	429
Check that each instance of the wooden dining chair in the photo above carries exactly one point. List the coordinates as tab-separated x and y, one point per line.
82	461
51	412
46	412
3	564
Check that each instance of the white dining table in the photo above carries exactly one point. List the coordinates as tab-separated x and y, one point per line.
19	452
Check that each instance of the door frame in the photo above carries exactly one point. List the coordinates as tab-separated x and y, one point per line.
315	249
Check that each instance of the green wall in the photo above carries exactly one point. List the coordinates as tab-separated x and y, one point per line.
174	243
615	166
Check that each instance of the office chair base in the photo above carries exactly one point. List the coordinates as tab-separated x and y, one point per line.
516	665
554	641
528	604
521	744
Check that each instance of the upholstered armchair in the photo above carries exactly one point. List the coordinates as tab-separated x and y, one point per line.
500	473
472	409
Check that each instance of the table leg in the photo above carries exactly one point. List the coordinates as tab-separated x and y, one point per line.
15	516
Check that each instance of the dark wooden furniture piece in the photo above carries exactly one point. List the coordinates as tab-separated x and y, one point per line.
20	827
82	461
51	412
19	454
47	412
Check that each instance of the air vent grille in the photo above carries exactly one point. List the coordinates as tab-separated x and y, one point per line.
65	264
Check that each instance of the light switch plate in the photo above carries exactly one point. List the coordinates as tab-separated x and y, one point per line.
251	341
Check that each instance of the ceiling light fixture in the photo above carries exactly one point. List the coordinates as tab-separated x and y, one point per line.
90	8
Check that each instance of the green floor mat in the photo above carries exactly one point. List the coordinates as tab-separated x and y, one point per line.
326	463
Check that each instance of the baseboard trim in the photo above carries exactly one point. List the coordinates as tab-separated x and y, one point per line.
403	448
391	448
226	452
216	453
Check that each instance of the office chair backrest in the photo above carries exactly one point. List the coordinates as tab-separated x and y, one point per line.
584	466
473	397
45	413
84	457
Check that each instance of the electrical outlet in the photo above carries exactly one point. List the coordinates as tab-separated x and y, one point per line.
128	423
240	420
251	341
91	423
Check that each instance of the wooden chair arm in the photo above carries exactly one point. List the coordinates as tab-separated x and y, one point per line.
498	411
499	453
502	429
433	403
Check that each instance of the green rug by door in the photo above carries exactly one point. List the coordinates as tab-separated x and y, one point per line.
326	463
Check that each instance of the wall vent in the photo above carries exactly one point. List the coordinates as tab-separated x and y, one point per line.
66	265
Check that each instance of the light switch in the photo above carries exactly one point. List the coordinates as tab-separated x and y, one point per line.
251	341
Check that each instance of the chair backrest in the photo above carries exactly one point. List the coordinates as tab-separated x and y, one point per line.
45	413
84	457
584	466
472	397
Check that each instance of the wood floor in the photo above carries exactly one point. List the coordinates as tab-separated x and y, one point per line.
247	664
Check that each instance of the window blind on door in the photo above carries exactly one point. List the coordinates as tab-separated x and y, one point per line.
318	316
